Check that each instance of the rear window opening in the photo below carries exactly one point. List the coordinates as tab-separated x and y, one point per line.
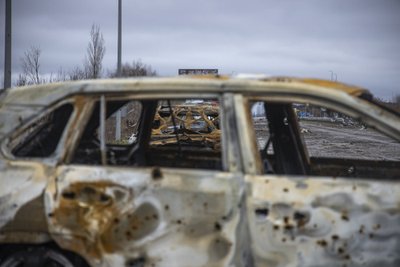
297	138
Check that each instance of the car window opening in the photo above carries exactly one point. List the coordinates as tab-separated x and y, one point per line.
168	133
40	139
315	140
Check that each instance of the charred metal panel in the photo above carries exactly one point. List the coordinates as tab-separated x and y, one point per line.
13	116
21	188
324	222
162	217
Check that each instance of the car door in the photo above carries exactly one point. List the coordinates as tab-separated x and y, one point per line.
142	214
308	212
30	153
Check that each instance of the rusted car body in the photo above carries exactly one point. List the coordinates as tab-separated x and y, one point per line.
202	196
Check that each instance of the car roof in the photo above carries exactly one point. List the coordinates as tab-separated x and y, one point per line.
43	95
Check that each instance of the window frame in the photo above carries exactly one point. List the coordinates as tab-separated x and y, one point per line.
228	165
351	106
54	157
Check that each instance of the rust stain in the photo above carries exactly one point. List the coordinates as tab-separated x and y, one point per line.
92	211
349	89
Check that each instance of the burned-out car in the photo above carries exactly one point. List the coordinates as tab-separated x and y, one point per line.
198	171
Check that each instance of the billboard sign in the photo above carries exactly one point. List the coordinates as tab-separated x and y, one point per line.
197	71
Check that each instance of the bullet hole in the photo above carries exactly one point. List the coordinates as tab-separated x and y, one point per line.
128	234
69	195
285	190
335	237
262	212
276	227
345	217
147	218
340	250
347	257
205	205
116	220
166	207
217	226
361	231
178	221
156	173
286	220
322	243
301	217
50	214
224	218
283	240
371	235
155	216
134	227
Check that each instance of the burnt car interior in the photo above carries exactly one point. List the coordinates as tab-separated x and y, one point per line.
156	143
186	134
285	151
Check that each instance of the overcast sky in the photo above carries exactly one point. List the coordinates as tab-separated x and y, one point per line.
359	40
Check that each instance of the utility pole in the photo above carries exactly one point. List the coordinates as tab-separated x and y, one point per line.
119	37
331	75
7	51
119	115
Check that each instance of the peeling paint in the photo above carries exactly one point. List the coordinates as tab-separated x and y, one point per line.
326	224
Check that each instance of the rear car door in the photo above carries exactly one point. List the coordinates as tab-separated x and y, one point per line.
310	209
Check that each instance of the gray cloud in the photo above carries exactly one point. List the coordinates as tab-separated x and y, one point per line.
357	39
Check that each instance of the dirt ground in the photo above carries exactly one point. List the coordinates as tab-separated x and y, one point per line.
335	140
325	139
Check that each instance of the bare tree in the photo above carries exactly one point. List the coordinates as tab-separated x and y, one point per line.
137	68
60	76
95	53
22	80
31	65
77	74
